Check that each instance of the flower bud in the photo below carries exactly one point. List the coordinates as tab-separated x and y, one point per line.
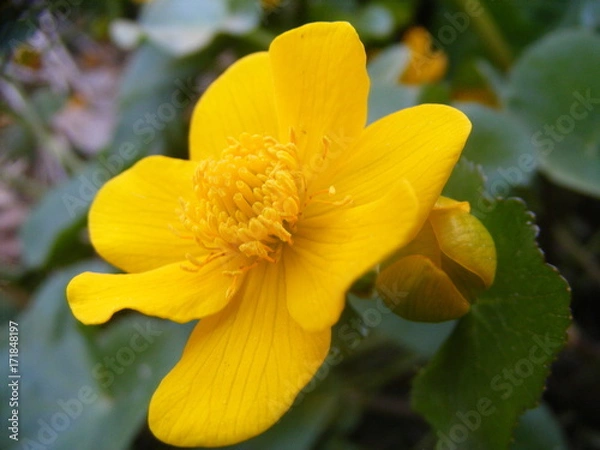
438	274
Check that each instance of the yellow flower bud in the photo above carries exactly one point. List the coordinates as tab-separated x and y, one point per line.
438	275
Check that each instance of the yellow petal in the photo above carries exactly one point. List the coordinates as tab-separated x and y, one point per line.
333	249
321	86
465	240
240	100
449	203
169	292
131	216
420	144
240	371
415	289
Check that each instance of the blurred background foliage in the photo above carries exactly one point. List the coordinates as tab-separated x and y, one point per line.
88	88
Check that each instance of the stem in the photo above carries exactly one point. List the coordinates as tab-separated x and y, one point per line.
486	28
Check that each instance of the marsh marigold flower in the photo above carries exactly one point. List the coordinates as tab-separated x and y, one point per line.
440	272
287	198
425	65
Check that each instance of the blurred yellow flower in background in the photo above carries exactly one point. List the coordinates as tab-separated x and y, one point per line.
437	275
425	64
286	200
270	5
476	94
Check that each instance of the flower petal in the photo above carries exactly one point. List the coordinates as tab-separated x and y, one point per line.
333	249
240	371
420	144
321	85
169	292
415	289
240	100
130	218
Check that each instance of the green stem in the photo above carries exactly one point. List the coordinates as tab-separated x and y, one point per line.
488	30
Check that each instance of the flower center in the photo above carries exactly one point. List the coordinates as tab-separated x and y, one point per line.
248	201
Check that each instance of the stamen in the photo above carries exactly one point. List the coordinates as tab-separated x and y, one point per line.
242	204
247	201
326	146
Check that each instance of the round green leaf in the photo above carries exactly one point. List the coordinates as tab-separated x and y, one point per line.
555	91
374	21
388	65
502	146
182	26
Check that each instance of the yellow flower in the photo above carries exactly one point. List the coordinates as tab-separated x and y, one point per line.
437	275
425	65
286	200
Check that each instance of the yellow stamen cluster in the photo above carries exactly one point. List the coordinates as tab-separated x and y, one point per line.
248	200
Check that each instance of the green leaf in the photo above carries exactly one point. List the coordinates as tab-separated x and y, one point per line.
502	146
182	27
50	228
374	21
538	429
495	363
589	14
466	183
77	382
385	99
422	339
387	95
555	92
387	66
